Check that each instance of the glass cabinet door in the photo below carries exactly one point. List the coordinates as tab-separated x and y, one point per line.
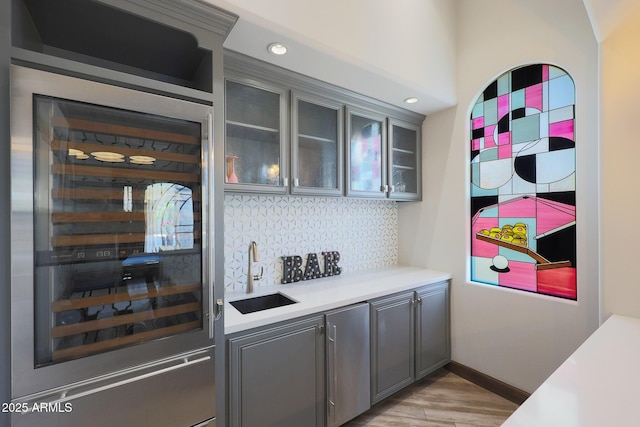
317	166
117	228
367	154
404	160
255	155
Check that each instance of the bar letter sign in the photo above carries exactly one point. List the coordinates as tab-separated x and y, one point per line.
292	271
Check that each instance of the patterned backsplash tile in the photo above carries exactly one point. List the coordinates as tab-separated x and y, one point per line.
365	232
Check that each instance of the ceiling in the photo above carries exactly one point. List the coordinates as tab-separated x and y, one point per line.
374	47
606	15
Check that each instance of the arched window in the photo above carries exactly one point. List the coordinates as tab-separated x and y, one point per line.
522	189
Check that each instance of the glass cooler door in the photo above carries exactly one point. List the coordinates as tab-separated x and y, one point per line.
117	228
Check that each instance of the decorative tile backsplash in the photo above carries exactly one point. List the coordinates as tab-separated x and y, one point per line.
365	232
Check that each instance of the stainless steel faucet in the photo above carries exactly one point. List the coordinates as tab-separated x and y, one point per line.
253	254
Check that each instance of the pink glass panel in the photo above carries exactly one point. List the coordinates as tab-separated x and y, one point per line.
533	97
563	129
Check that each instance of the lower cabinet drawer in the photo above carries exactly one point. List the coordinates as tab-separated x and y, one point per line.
177	395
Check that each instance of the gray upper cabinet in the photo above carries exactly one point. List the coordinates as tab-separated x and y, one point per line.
166	47
326	141
383	156
404	173
366	154
255	151
316	145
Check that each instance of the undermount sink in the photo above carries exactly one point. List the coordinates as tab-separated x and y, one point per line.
264	302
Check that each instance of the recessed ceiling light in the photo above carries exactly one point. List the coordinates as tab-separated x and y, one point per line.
411	100
277	48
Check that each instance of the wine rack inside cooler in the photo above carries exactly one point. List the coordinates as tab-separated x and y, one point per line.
118	228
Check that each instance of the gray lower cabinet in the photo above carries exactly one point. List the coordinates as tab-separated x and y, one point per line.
348	363
298	374
277	376
433	338
410	338
392	344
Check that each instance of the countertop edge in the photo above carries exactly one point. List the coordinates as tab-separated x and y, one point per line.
595	386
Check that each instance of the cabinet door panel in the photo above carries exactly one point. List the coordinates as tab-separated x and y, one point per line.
348	363
432	334
316	146
404	161
392	345
277	377
254	149
366	154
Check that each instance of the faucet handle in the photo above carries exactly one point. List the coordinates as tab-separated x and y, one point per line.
259	276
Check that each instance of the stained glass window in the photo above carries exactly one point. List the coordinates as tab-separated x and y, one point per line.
522	189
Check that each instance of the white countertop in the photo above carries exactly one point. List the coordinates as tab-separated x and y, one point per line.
596	386
318	295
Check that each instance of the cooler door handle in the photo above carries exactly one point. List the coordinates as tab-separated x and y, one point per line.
184	364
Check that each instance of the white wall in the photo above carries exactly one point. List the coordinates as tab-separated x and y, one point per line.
620	155
517	337
382	49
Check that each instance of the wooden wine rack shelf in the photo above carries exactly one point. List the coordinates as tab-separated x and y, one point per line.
124	319
110	172
74	217
64	217
100	194
86	147
102	239
101	346
130	131
96	239
75	303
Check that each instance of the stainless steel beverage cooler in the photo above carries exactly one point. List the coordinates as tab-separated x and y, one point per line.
112	314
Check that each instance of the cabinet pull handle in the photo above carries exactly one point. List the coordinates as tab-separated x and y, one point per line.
185	363
332	371
219	308
285	182
212	315
296	182
333	386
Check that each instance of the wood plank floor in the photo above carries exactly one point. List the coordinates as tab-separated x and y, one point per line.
443	399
